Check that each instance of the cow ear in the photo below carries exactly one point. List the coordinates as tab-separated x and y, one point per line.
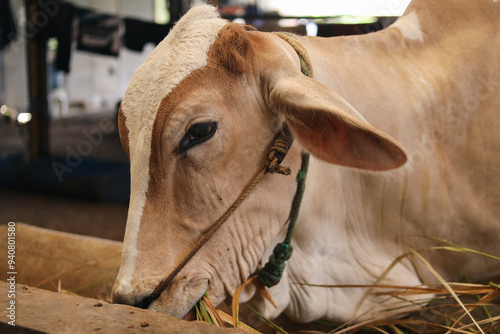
330	128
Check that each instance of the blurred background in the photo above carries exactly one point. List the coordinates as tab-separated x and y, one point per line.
64	67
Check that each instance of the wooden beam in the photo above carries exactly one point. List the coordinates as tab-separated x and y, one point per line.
41	311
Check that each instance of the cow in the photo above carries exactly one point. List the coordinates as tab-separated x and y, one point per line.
402	128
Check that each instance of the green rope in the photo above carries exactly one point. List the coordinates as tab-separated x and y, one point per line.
273	270
299	194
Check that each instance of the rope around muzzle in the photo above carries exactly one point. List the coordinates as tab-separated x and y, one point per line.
273	270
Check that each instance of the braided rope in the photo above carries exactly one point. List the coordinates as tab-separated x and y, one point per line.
280	148
305	61
273	270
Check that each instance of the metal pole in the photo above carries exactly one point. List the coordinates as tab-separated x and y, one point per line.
2	80
37	82
176	10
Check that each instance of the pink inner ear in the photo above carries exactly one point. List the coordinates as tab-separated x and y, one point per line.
333	140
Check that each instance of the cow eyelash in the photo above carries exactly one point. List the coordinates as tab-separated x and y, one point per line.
197	134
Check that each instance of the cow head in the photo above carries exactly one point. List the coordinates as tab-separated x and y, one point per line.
197	121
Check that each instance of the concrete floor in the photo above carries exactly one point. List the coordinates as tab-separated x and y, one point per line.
62	214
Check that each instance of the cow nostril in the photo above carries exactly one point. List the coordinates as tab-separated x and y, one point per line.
140	296
142	303
118	298
130	299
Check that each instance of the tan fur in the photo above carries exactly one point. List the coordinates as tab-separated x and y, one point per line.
231	48
122	126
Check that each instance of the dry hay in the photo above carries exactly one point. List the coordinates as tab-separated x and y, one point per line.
456	308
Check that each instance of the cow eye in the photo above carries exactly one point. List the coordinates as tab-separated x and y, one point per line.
197	134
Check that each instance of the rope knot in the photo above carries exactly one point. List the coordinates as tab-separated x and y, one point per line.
278	152
272	272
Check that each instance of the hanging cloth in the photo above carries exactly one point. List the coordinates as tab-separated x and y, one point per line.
98	33
138	33
8	31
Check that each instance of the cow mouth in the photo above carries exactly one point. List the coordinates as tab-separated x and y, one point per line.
191	315
184	306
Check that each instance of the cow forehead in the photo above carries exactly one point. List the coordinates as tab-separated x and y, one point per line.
184	50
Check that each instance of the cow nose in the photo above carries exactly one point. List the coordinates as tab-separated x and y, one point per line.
119	296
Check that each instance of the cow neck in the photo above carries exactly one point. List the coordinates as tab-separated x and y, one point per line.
272	272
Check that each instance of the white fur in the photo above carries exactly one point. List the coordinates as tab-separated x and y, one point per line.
409	25
169	63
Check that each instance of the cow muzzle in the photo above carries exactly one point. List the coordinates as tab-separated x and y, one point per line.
178	300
